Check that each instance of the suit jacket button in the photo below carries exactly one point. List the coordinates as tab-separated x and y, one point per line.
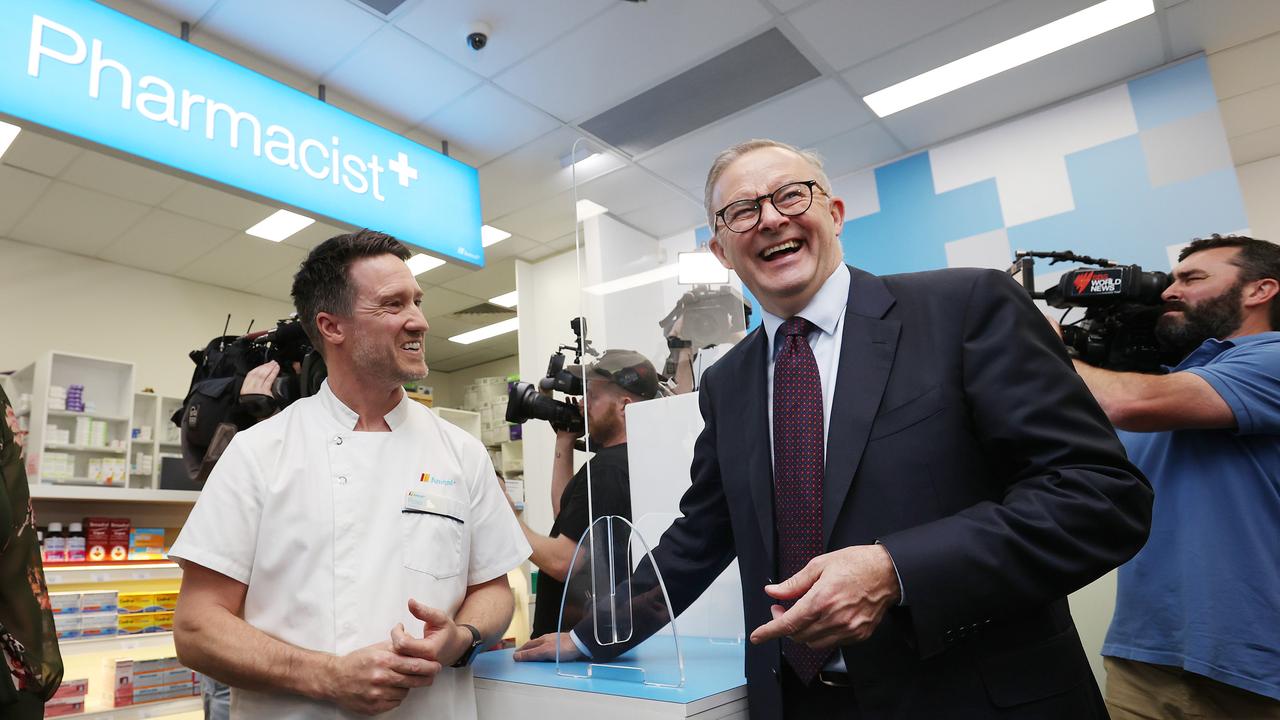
775	672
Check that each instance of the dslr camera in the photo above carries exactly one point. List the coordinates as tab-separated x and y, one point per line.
525	400
1121	305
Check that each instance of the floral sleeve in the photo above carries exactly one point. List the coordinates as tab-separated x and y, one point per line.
28	641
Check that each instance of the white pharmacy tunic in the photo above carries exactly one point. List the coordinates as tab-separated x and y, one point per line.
333	531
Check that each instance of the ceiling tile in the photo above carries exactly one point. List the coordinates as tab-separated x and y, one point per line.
787	6
121	178
189	10
809	114
517	29
510	247
312	235
663	220
1251	111
953	42
1255	146
399	76
20	190
480	353
543	221
1088	66
615	55
498	278
1212	25
1245	68
489	122
442	301
310	37
242	262
859	148
163	242
296	78
533	173
76	220
277	286
216	206
538	252
847	32
40	154
632	188
443	274
444	327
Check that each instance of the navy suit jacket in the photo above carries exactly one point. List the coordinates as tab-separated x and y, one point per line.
960	438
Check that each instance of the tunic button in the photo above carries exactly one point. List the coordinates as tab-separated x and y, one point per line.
337	440
342	479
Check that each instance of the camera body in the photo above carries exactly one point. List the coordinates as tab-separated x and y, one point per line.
478	36
1122	304
526	401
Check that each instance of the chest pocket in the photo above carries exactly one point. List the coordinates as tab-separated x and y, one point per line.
431	534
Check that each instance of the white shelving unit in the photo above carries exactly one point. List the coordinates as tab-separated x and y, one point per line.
157	438
115	644
56	575
464	419
108	389
162	709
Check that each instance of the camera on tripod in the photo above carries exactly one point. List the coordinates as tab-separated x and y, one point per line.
525	401
710	316
1121	305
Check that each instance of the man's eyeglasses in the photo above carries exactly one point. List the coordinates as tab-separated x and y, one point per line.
790	200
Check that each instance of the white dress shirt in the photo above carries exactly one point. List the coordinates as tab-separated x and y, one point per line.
333	531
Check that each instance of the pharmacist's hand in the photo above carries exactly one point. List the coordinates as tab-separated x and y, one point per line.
543	649
260	379
442	641
376	679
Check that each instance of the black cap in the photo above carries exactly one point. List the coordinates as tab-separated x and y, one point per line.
627	369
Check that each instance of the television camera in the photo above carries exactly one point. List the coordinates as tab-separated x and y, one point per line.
1121	305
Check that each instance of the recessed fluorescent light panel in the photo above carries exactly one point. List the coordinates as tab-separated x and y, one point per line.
701	268
1031	45
507	300
487	332
280	225
420	263
490	235
588	209
7	134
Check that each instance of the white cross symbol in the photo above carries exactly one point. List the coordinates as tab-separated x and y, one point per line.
400	166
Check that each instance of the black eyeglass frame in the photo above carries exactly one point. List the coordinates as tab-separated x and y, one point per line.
758	202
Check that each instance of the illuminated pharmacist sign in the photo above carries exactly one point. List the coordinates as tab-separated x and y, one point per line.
86	70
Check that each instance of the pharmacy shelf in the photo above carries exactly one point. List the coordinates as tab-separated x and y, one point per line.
160	709
115	643
91	416
110	572
46	491
86	448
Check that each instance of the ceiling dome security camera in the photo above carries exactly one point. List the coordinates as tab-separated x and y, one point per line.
478	37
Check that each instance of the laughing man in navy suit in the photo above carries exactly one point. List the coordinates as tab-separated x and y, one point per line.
907	468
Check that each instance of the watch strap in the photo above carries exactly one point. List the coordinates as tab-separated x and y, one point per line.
470	653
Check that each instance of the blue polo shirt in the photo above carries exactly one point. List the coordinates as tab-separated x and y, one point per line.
1204	594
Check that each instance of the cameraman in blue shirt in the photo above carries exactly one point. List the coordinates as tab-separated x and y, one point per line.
1196	631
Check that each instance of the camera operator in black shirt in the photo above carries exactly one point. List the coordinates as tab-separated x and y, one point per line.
618	379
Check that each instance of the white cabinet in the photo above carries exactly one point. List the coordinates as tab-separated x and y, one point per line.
88	446
154	438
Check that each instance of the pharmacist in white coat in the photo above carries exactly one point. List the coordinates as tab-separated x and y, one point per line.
349	555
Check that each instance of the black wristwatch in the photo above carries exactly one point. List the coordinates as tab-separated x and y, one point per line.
470	654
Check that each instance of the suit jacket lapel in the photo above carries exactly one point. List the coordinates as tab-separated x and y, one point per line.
755	422
866	356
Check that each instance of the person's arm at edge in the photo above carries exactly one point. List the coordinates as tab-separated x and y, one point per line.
1153	403
561	469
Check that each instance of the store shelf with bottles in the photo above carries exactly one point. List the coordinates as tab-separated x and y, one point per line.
110	613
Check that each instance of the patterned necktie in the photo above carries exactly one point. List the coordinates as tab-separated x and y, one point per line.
797	469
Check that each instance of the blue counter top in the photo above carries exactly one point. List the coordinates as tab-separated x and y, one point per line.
710	668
